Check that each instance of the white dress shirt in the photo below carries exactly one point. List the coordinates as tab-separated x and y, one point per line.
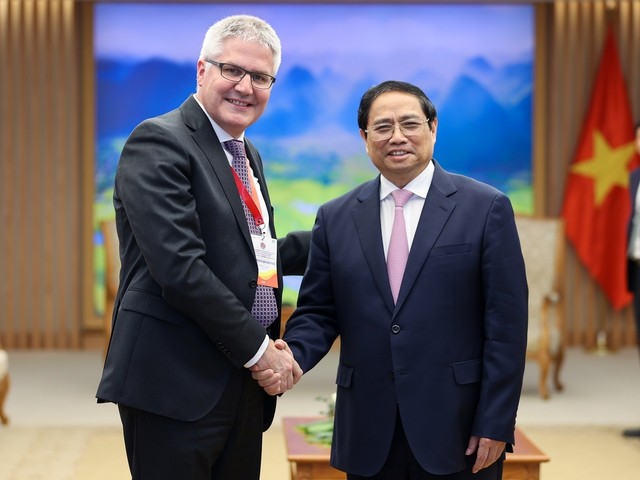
223	137
412	209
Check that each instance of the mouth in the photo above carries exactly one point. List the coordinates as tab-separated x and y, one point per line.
238	103
397	153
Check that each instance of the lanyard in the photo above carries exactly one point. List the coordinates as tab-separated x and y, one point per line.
248	200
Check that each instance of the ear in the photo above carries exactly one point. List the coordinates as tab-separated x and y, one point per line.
200	69
363	135
434	128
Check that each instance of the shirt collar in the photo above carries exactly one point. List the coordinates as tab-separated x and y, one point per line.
418	186
222	135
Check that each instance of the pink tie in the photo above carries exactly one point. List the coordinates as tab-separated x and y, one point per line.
398	245
265	308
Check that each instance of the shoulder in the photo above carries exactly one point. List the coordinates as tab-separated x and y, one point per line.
472	197
156	143
355	196
455	184
187	117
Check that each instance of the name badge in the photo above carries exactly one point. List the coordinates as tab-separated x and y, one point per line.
266	249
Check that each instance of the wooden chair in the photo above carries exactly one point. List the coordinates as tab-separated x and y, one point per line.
4	383
543	248
112	273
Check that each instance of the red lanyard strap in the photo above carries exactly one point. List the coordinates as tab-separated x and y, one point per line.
248	200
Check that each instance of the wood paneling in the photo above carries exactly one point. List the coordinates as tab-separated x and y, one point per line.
42	175
47	155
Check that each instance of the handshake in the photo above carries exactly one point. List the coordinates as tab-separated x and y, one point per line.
277	371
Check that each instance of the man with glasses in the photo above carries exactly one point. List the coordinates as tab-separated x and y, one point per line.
420	274
196	306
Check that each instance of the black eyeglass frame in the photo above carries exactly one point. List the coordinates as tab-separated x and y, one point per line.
244	71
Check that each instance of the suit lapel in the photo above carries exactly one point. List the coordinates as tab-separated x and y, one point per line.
207	140
435	213
366	217
256	165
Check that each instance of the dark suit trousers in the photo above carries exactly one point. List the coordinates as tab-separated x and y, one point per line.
401	464
226	444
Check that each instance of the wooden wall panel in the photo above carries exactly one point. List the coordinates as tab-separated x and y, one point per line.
41	175
571	34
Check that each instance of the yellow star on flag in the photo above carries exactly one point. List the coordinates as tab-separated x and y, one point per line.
607	167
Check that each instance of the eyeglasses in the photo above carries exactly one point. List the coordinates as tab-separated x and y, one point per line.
384	131
236	74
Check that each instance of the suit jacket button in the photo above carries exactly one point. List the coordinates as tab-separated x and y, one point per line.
253	283
395	328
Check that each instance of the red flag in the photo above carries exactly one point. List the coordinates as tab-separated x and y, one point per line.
596	204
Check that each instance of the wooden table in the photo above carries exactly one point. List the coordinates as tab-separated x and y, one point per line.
311	462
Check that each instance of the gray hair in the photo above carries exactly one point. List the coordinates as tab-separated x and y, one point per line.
246	28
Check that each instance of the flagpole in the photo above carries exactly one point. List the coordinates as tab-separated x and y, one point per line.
601	348
602	337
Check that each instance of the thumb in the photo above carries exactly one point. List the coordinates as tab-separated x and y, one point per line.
473	445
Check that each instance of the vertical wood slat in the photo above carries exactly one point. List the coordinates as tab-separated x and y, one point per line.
7	244
40	181
85	12
43	66
46	323
575	35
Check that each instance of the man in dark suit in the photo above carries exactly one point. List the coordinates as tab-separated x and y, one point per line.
195	308
633	259
431	366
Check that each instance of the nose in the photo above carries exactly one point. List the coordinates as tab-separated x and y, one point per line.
244	84
396	134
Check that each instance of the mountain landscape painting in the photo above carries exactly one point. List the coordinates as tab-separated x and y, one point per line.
475	62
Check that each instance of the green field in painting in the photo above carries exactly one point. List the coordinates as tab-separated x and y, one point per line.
295	203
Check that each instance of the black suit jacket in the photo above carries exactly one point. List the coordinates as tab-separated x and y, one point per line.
182	318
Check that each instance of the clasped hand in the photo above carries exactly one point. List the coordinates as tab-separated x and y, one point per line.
276	371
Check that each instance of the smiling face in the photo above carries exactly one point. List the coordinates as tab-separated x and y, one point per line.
400	158
235	106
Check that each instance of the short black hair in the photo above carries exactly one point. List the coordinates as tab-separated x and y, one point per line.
393	86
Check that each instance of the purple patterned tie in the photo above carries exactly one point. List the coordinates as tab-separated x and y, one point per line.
265	308
398	245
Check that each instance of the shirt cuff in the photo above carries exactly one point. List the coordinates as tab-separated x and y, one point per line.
259	353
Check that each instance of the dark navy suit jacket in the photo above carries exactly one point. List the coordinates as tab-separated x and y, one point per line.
449	356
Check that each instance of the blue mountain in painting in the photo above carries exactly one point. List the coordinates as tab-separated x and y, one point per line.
479	134
484	116
128	93
294	107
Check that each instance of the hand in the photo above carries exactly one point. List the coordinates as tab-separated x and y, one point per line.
267	379
297	371
276	371
488	451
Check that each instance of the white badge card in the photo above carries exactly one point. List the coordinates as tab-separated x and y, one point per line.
266	249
